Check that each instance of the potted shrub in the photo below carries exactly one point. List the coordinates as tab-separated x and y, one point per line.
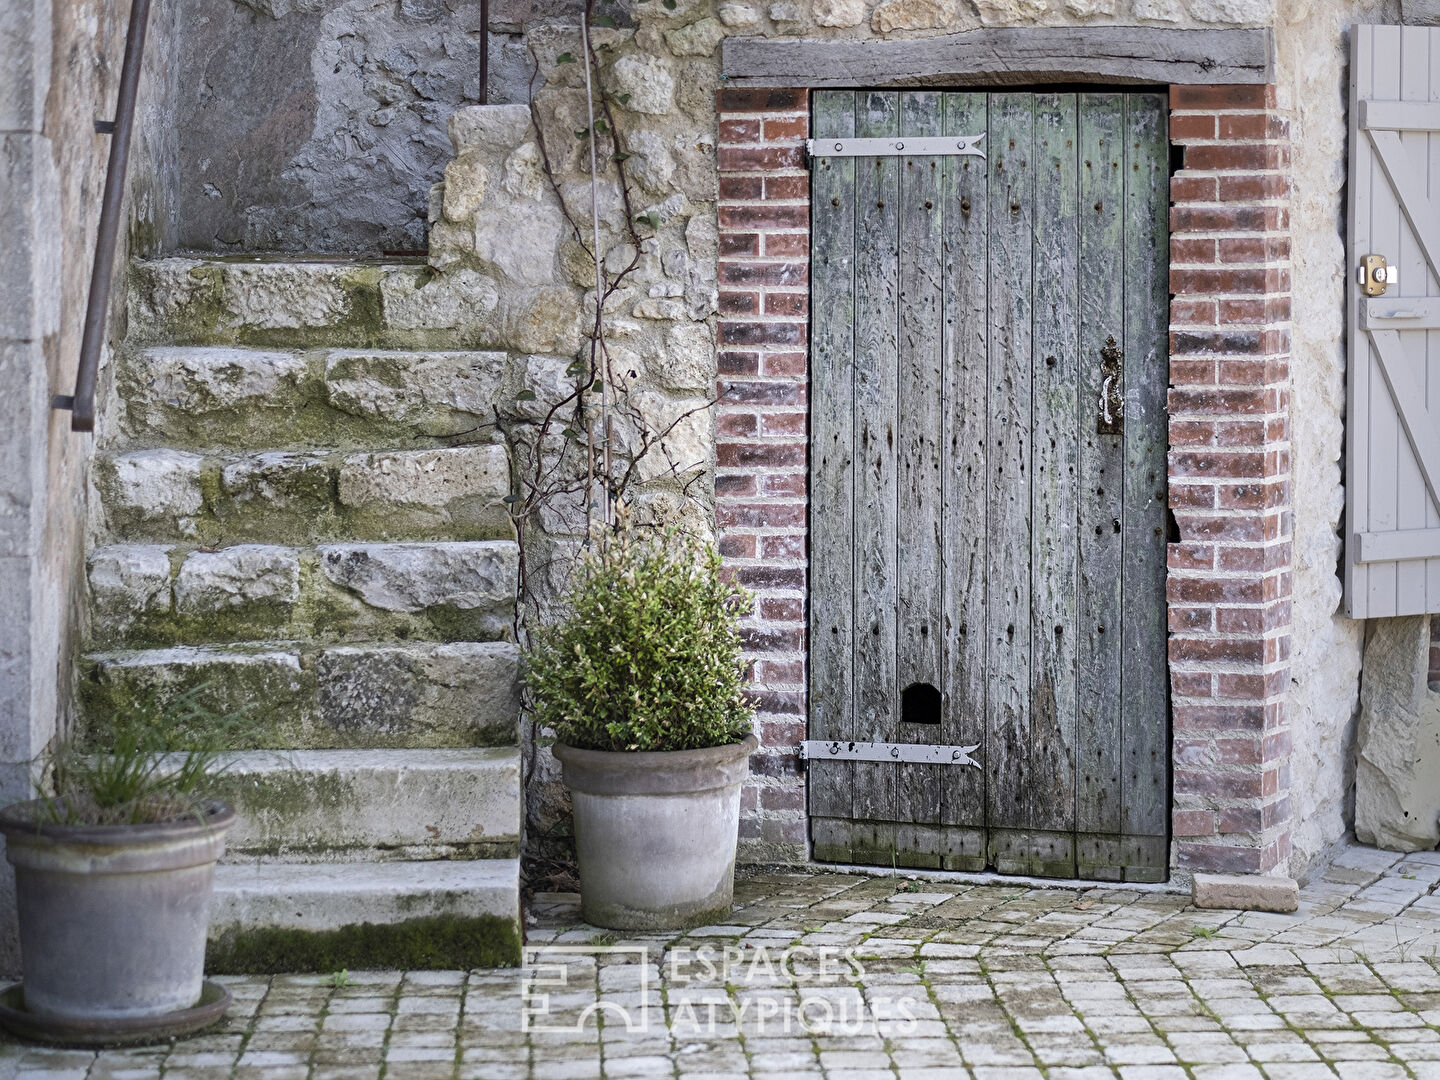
643	685
113	875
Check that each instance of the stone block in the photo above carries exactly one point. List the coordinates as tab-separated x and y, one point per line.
1397	766
648	80
127	583
488	127
277	481
151	485
239	577
331	896
445	391
196	380
420	694
30	273
286	296
317	801
1246	892
25	48
457	489
410	578
24	416
267	685
459	299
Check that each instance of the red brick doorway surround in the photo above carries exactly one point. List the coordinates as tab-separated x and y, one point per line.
1229	464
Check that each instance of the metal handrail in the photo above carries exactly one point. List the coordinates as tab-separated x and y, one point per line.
82	403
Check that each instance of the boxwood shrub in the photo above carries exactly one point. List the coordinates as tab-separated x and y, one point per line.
648	655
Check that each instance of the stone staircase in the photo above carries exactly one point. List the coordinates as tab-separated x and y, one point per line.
279	524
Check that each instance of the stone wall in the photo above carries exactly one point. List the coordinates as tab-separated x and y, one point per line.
1313	84
61	60
319	125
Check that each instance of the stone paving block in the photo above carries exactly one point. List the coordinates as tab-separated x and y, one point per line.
1249	892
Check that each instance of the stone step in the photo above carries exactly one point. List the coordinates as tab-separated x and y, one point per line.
163	594
372	805
305	497
310	302
288	916
284	694
229	398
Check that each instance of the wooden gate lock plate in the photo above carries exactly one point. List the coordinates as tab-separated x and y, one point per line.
1376	275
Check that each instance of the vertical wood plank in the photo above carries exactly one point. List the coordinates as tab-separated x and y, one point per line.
1430	374
1055	476
1383	430
965	205
877	206
920	621
1412	501
1144	708
832	486
1102	467
1357	404
1012	191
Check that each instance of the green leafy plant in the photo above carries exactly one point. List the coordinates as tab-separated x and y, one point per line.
341	979
648	656
152	764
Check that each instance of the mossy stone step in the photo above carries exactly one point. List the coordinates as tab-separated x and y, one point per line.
162	594
231	398
285	916
285	694
305	496
297	302
372	805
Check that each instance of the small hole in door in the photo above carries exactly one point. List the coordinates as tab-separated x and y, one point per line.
920	704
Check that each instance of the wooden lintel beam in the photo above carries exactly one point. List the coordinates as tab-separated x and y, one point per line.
1008	56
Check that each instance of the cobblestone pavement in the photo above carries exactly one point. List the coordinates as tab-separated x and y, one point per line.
848	977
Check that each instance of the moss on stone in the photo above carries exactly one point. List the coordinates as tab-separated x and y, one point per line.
434	943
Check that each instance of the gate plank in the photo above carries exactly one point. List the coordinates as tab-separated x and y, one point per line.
965	205
832	485
920	624
1102	466
1012	192
877	202
1053	436
1144	705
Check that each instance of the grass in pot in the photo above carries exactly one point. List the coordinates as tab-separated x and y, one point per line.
114	868
643	684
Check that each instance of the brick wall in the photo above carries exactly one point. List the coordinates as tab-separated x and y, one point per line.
1230	578
761	448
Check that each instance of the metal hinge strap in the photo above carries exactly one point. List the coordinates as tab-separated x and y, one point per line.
909	753
919	146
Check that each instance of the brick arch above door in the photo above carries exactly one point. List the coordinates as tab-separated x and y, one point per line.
1229	577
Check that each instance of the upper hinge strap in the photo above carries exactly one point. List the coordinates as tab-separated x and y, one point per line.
920	146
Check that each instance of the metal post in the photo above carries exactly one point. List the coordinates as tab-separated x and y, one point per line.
484	52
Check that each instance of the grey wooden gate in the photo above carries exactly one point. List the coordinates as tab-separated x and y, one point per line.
988	483
1392	429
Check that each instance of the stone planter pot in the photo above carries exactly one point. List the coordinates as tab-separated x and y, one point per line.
655	833
113	918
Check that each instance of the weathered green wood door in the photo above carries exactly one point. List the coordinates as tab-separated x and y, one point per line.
988	483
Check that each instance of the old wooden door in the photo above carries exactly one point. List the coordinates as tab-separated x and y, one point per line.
988	517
